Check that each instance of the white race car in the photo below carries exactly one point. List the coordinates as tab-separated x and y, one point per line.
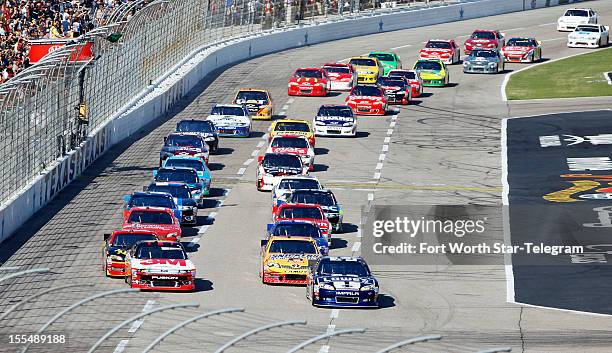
293	144
289	183
335	120
231	120
589	36
574	17
274	166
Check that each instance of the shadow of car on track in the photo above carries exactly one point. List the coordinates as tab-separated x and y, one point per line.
425	95
337	243
255	134
215	192
223	151
385	301
320	167
215	166
203	285
321	151
279	116
189	247
349	228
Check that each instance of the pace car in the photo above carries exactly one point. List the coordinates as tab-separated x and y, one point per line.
572	18
116	245
335	120
231	120
522	50
341	282
284	260
158	220
589	36
204	128
292	127
282	189
299	229
292	144
367	100
397	89
273	166
324	198
189	176
154	199
304	212
342	77
484	39
368	69
413	79
184	144
433	73
309	81
388	60
160	265
194	163
446	50
182	197
485	61
257	101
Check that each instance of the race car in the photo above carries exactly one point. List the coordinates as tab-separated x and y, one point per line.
204	128
589	36
389	60
485	61
116	245
159	265
184	144
282	189
413	79
368	69
484	39
189	176
292	144
522	50
309	81
572	18
324	198
367	100
304	212
433	73
153	199
342	77
299	229
158	220
231	120
397	89
284	260
257	101
273	166
342	282
446	50
194	163
335	120
182	197
292	127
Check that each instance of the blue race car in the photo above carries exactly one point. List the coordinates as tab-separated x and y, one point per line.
204	128
300	229
324	198
182	197
195	163
231	120
188	176
156	199
341	282
184	144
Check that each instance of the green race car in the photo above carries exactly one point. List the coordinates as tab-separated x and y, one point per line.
433	72
389	60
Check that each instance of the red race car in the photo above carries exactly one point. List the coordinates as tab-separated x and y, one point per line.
446	50
158	220
484	39
309	81
342	77
522	50
116	246
397	89
413	79
367	100
303	212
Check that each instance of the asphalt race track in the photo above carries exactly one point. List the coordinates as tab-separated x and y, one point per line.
443	149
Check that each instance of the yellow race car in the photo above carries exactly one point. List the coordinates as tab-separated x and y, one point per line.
292	127
285	259
257	101
433	72
368	68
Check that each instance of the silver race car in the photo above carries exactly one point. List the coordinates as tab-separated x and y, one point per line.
485	61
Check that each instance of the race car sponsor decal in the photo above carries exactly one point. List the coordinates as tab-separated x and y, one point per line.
293	150
173	262
293	257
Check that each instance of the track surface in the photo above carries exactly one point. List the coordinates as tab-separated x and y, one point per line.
444	149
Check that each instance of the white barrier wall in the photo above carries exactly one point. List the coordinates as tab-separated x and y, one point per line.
155	102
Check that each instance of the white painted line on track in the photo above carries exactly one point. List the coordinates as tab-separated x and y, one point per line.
547	24
356	246
254	153
136	324
359	233
260	144
403	46
331	328
553	39
379	166
390	132
290	100
376	176
121	346
385	148
265	136
370	197
282	113
193	242
382	157
394	117
212	215
285	107
248	161
226	192
393	124
203	229
334	313
512	29
241	171
324	349
387	139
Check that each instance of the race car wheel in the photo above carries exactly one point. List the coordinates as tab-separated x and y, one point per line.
258	183
312	300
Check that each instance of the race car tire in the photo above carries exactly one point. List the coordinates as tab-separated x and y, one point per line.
312	300
258	184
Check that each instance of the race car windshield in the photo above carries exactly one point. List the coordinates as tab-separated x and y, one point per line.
362	62
337	69
367	91
235	111
294	184
158	252
579	13
181	192
483	35
514	42
484	54
308	74
383	57
150	217
301	212
292	247
186	163
282	160
407	74
354	268
301	230
291	126
129	239
195	126
438	45
317	198
344	111
252	96
183	141
587	29
183	176
428	65
290	142
151	201
386	81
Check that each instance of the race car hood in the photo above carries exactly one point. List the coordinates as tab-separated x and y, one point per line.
295	261
373	98
346	282
169	266
297	133
516	49
184	203
183	150
584	34
289	150
365	69
481	42
282	170
229	120
155	228
336	76
308	80
436	51
391	88
251	101
335	120
471	59
323	224
574	19
427	74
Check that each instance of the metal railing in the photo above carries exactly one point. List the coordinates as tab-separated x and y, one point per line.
48	109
